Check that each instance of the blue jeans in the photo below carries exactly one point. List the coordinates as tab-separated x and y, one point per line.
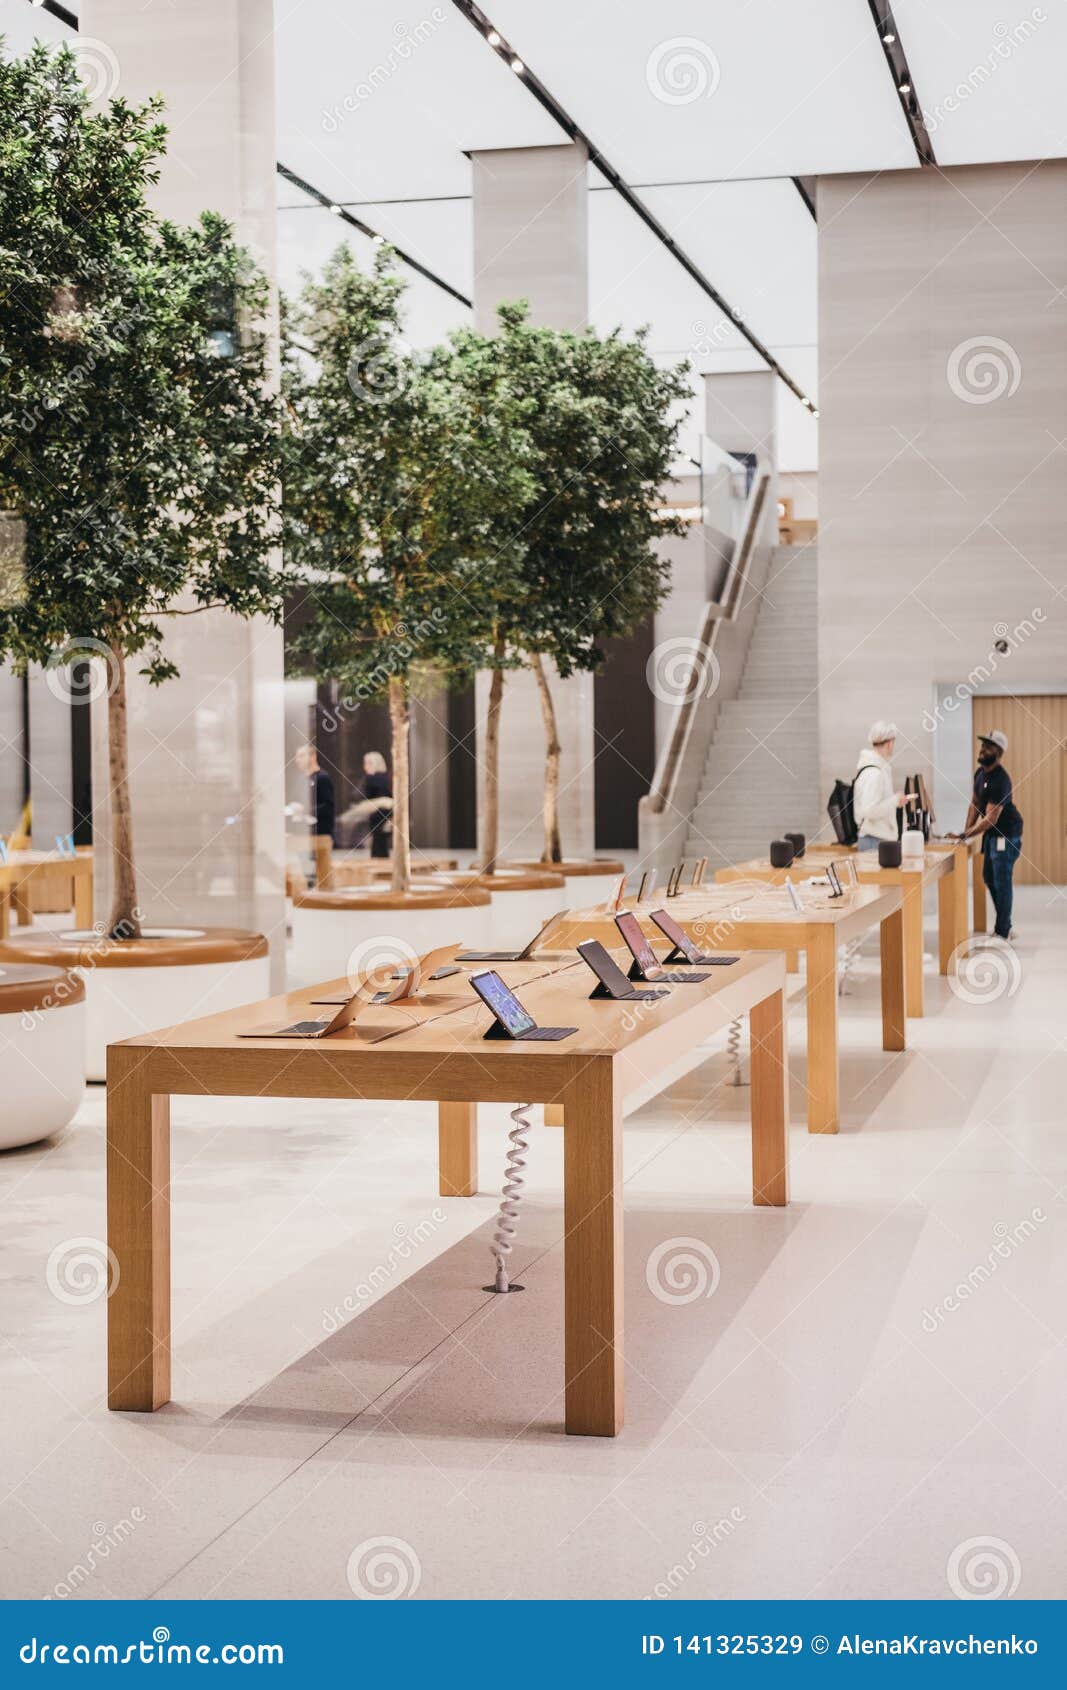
997	872
867	842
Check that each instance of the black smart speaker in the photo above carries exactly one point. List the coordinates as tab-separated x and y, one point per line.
889	853
782	853
798	842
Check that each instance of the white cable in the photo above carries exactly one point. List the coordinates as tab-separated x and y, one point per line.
508	1214
733	1051
849	955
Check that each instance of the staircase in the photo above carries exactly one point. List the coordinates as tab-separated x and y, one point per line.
761	776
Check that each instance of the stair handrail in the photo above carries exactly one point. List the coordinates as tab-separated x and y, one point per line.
725	608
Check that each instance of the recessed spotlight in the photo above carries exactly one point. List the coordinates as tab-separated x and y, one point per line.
336	209
905	87
379	240
889	38
815	410
493	38
517	66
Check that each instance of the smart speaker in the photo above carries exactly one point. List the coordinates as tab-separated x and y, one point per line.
797	841
782	853
889	853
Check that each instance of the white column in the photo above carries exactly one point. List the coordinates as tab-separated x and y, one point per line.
531	242
207	749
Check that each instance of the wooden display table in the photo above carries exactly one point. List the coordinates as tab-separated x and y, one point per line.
761	918
445	1060
25	868
937	866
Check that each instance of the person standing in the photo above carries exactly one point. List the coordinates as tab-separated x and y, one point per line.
875	799
994	817
377	785
323	810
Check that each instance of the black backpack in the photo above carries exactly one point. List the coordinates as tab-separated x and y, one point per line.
841	813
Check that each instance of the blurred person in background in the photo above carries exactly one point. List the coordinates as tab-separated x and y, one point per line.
875	797
994	817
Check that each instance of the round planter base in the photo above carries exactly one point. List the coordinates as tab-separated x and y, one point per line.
167	976
590	880
332	931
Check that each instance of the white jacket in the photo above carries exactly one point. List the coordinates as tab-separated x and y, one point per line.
874	795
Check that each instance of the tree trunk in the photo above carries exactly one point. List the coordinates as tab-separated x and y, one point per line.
400	721
124	921
491	816
553	850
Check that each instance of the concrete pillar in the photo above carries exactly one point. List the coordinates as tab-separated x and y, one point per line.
531	242
207	749
740	415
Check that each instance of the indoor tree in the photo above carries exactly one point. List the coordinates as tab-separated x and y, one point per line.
602	422
402	482
139	434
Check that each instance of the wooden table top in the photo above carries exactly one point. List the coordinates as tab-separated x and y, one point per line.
756	916
24	862
934	864
446	1056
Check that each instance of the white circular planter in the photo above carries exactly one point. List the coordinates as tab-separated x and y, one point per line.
42	1051
590	880
167	976
332	928
523	900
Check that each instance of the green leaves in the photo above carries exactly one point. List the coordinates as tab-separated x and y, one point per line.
145	466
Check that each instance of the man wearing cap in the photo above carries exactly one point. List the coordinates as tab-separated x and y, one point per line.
875	800
993	816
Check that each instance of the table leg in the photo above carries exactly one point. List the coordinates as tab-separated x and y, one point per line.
323	848
892	946
592	1208
83	901
138	1236
770	1102
978	923
5	912
553	1114
960	921
792	962
946	922
457	1149
22	904
913	943
823	1105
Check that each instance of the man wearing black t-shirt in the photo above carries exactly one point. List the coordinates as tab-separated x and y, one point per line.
994	816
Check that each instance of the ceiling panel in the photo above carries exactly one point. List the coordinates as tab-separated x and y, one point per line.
689	89
989	76
377	102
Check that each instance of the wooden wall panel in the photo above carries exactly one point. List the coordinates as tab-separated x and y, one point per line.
1036	726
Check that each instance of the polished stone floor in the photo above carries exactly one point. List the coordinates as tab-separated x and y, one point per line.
859	1396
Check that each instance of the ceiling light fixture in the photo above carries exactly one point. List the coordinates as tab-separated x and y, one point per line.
493	38
517	66
335	208
889	38
905	87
